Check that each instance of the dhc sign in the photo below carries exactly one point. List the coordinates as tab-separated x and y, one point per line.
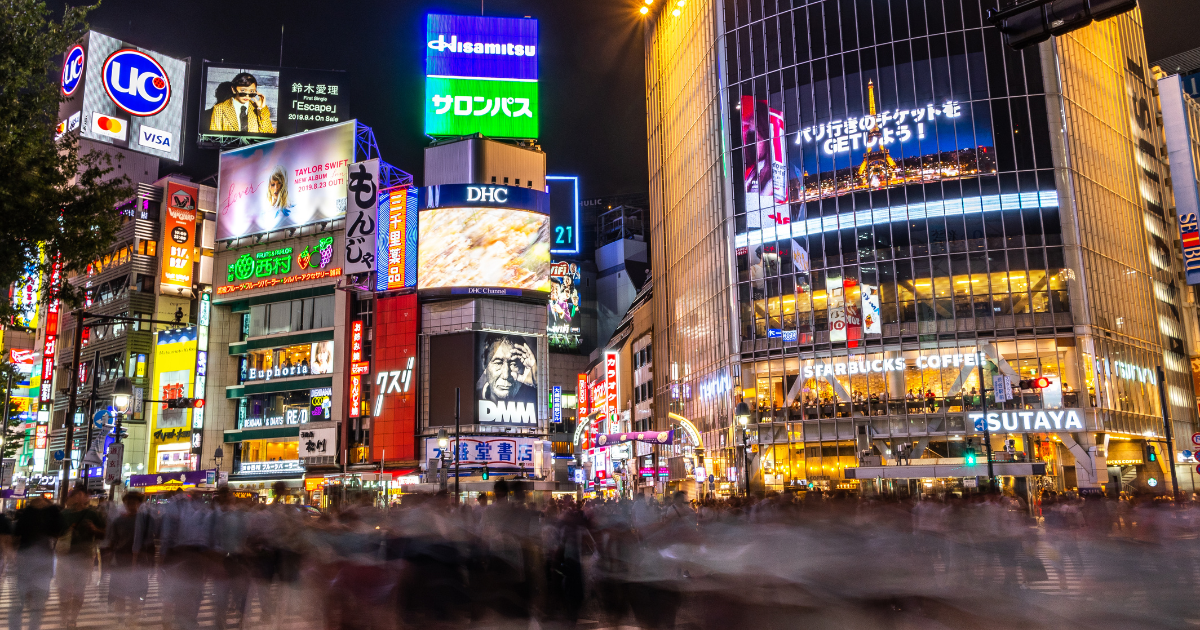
494	194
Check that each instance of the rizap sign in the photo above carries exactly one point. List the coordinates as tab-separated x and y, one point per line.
863	365
1048	420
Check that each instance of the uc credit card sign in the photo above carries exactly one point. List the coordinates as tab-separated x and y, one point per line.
481	76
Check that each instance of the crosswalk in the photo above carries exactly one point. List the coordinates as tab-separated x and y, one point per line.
97	613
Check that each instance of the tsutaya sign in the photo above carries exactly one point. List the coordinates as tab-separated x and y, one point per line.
1047	420
864	366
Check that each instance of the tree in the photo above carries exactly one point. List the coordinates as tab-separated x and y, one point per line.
51	197
13	435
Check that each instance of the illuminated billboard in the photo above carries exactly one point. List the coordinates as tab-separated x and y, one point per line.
483	239
563	191
174	373
481	76
178	238
131	97
285	262
396	239
563	321
284	183
266	102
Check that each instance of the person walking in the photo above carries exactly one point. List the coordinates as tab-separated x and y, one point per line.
130	556
38	527
84	527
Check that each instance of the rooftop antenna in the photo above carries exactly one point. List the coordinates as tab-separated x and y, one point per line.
281	45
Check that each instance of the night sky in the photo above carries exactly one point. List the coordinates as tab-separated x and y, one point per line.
592	87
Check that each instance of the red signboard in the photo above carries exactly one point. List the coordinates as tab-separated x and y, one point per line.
356	341
581	397
393	405
355	396
48	346
610	382
360	368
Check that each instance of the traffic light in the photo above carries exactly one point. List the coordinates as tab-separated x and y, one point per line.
969	454
1040	382
1035	21
1151	454
486	474
185	403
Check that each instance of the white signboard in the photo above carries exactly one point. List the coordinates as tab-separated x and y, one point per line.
362	200
475	450
318	443
112	466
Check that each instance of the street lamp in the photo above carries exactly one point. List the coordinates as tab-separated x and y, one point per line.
122	394
742	415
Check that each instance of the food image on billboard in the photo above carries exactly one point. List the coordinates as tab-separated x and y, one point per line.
132	97
481	76
483	248
179	237
241	101
289	182
506	385
562	323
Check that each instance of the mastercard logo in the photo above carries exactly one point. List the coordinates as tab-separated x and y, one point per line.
111	125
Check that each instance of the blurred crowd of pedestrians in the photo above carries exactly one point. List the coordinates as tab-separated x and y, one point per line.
980	561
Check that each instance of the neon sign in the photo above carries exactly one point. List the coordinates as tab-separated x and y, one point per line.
270	282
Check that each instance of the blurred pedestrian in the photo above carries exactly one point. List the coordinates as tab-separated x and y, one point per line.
35	534
130	555
85	526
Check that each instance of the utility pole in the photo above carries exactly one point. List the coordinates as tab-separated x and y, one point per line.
71	401
1162	402
457	430
987	434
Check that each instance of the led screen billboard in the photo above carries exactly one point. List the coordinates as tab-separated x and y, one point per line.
481	76
131	97
563	191
283	183
563	321
178	238
174	371
483	248
500	385
266	102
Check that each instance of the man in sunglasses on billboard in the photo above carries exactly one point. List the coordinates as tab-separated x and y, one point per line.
246	111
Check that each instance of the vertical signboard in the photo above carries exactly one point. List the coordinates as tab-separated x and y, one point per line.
174	369
393	428
179	237
396	239
201	377
1177	127
564	213
765	178
362	204
556	405
610	383
870	310
356	350
581	398
563	327
835	295
481	76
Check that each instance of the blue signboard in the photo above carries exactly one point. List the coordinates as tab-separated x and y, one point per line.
484	196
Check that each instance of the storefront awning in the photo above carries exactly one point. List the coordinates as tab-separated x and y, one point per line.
1005	469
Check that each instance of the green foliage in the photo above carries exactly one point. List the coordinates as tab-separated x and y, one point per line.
50	195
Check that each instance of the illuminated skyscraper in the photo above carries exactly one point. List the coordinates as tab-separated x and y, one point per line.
856	206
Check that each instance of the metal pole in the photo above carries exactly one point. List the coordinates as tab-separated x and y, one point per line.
987	434
7	406
1162	401
71	400
87	418
383	457
457	429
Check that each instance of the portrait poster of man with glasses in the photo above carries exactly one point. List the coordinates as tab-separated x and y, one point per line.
241	104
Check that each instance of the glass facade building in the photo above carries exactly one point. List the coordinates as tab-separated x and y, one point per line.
914	209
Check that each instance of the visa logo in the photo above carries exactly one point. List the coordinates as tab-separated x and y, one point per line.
156	138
